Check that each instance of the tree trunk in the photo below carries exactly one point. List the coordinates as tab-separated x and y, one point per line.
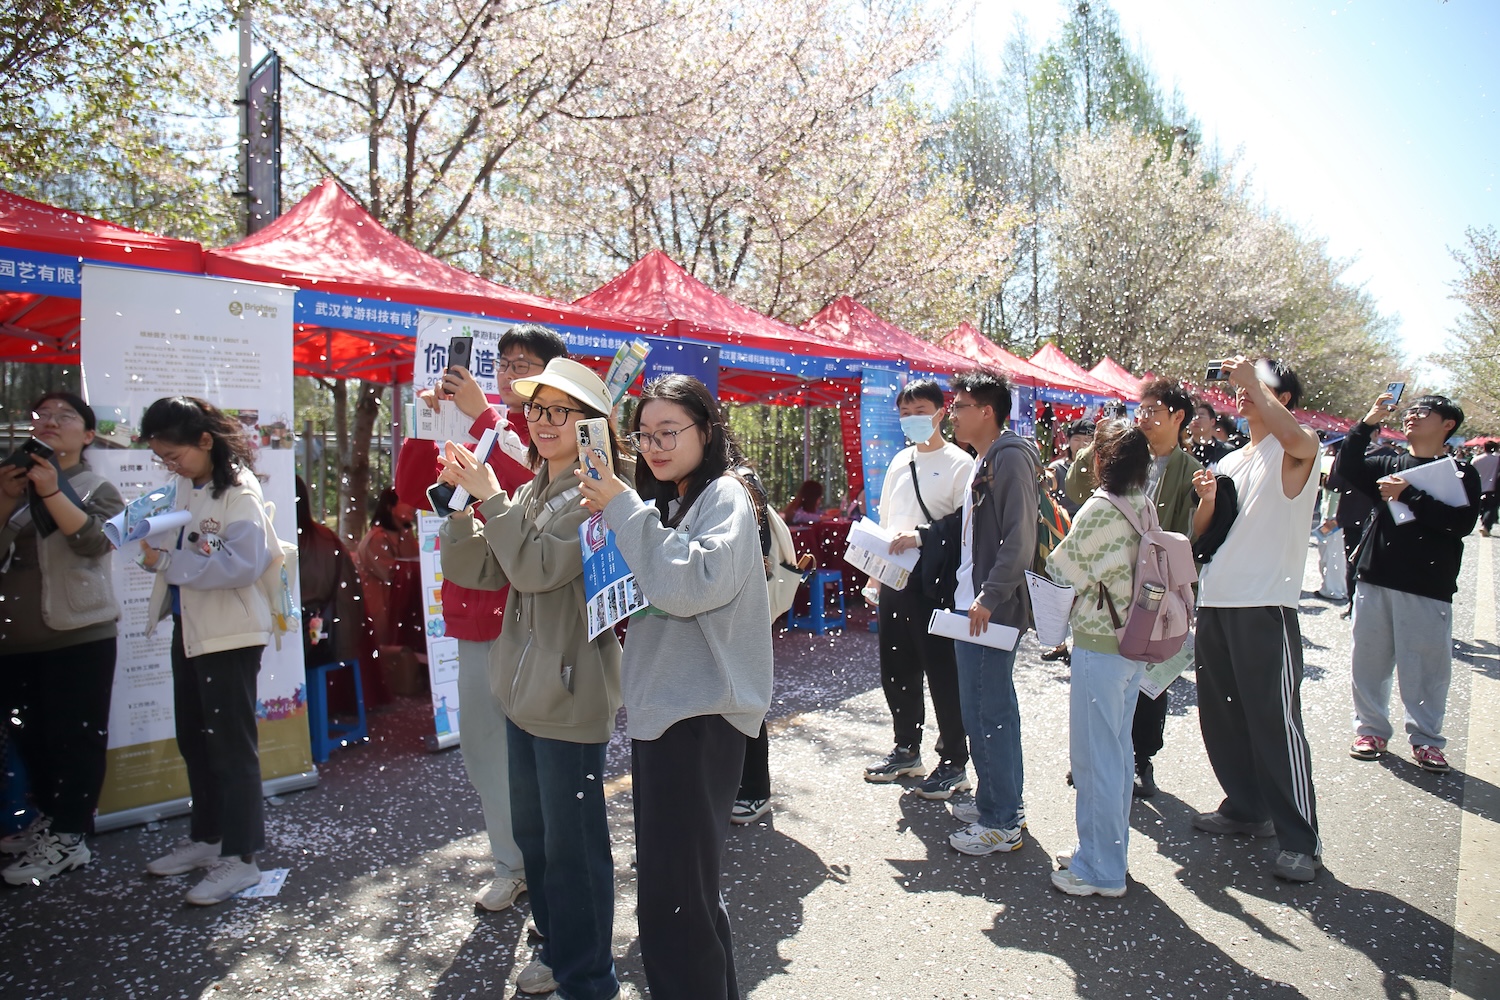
355	478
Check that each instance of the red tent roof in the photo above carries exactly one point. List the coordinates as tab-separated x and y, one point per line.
846	321
1051	358
1111	373
657	288
38	326
327	242
970	343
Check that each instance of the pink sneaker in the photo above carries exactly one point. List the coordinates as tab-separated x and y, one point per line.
1429	758
1367	747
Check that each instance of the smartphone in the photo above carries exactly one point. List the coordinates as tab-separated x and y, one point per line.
440	495
1215	372
593	441
1395	389
461	352
21	457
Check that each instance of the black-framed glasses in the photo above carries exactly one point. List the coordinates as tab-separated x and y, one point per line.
661	440
1416	411
955	407
516	366
556	415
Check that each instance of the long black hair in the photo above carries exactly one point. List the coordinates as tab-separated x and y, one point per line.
183	420
720	453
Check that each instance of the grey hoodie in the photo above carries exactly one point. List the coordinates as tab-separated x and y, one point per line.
1005	521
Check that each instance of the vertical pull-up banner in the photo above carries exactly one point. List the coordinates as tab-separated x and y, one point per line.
880	429
149	334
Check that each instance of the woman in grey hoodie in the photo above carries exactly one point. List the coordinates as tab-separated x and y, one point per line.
696	673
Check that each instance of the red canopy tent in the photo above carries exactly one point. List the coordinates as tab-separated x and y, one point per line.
968	342
847	321
1050	358
329	246
754	348
42	250
1111	373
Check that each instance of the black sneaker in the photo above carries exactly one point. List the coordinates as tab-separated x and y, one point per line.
944	780
900	761
1145	780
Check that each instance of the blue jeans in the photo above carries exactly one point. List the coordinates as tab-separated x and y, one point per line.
992	719
1102	708
557	816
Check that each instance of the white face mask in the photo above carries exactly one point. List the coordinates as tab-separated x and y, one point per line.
919	427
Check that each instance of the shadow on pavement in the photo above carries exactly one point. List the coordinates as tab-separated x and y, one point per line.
1410	946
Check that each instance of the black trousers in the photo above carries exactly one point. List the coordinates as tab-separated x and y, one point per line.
214	698
755	777
1250	699
907	652
1148	731
59	704
684	783
1489	510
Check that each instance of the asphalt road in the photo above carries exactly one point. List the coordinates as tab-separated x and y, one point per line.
848	889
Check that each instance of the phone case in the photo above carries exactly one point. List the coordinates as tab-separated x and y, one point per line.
593	439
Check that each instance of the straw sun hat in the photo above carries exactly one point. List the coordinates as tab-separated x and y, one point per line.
566	375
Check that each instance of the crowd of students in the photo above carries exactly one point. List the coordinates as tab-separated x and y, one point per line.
540	696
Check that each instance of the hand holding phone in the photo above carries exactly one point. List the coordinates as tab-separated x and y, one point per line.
21	457
1394	389
460	352
593	442
1214	372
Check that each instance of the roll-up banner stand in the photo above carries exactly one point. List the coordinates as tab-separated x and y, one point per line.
146	335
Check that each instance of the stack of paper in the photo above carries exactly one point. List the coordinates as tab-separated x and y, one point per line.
952	625
870	551
1051	607
1440	480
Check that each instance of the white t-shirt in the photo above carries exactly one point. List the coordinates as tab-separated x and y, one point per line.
942	475
1262	560
963	597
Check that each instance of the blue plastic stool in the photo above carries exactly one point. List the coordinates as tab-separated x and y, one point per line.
817	618
327	734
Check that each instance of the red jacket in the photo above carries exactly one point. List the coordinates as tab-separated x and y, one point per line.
473	615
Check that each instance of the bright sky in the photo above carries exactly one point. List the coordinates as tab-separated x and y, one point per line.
1371	123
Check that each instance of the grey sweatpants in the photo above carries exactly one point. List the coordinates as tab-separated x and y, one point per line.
482	742
1250	710
1407	636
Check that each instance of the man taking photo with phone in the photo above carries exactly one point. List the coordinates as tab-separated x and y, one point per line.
1406	575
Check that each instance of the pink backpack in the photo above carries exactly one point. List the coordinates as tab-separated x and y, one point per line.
1162	605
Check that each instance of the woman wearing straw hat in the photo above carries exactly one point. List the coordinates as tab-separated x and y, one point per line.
560	690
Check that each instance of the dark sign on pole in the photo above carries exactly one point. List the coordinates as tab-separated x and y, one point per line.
263	113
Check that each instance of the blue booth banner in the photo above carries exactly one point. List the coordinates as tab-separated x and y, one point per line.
683	357
879	429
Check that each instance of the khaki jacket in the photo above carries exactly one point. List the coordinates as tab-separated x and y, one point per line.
548	677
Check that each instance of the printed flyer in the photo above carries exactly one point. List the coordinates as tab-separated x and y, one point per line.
608	584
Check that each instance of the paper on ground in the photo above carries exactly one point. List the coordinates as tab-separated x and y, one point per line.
870	551
1439	480
158	524
1159	676
952	625
269	885
1051	607
158	501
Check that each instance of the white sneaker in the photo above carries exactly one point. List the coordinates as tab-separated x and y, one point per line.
979	840
748	810
20	842
227	877
184	856
1073	885
536	978
965	812
50	855
502	893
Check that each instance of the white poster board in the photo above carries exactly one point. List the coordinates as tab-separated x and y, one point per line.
146	335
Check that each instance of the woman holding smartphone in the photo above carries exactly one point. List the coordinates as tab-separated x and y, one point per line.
58	634
560	690
207	581
697	673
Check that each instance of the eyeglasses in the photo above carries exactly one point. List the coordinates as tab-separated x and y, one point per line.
517	366
660	441
1416	412
1149	412
556	415
955	407
58	417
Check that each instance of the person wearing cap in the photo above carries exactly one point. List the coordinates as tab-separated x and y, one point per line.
559	689
58	635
